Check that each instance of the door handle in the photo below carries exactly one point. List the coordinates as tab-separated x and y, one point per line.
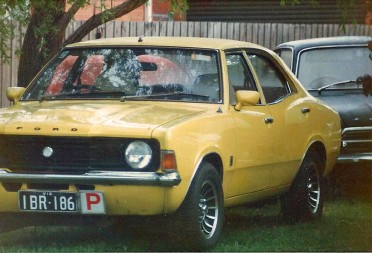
268	120
305	110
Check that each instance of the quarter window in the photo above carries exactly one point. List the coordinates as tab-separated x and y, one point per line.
240	77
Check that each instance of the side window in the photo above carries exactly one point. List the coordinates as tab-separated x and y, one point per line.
239	76
273	83
286	55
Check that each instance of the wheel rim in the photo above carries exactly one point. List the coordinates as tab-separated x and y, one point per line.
313	189
208	209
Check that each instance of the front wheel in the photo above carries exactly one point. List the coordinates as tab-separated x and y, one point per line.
305	199
201	215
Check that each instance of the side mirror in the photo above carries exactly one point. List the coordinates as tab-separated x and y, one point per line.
370	49
246	98
14	93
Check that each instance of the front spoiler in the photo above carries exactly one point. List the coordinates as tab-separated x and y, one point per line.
96	177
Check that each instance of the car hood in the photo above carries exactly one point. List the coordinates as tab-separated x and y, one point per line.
133	119
355	109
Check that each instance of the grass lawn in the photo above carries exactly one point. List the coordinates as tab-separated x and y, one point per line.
346	225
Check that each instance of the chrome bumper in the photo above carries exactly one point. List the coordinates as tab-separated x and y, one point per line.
95	177
356	145
354	158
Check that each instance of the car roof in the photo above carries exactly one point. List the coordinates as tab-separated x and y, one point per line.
192	42
298	45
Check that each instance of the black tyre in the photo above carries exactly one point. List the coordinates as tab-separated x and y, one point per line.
305	199
200	217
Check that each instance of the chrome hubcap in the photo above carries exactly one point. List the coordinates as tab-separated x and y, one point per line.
208	210
313	190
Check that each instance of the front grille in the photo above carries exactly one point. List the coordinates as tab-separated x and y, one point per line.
357	140
74	155
359	134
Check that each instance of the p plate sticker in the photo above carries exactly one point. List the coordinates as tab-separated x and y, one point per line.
92	202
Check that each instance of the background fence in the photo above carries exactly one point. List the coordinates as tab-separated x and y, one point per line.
265	34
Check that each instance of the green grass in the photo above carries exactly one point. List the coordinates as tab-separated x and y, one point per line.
346	225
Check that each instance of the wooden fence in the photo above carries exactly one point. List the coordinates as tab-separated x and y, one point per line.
265	34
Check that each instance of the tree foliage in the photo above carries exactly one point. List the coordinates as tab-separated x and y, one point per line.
46	23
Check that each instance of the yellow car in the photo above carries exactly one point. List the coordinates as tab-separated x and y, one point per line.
184	127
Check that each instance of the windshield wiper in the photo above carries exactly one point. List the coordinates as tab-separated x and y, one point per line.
51	97
337	83
89	94
160	95
184	94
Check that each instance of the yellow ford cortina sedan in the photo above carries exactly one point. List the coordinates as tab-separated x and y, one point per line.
181	127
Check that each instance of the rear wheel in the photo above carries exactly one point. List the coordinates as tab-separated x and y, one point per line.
305	199
201	215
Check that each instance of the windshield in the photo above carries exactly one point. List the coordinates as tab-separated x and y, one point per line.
129	73
320	67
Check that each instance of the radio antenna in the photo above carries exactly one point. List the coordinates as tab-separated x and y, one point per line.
153	26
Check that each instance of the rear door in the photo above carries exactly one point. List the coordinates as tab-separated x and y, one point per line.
289	117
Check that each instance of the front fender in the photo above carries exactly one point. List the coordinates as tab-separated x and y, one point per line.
174	196
197	139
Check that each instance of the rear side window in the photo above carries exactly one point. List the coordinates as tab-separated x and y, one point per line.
274	85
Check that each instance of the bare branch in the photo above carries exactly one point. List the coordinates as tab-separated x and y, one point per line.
103	17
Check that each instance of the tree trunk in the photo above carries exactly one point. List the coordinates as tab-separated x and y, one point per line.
38	46
30	61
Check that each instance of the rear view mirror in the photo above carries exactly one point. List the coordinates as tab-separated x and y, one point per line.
149	66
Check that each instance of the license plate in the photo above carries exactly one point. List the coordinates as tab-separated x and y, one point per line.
86	202
48	201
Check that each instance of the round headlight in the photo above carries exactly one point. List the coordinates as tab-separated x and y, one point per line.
138	154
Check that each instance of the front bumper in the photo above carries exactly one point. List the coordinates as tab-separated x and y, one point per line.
355	158
96	177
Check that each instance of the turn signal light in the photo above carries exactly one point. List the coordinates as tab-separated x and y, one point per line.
168	160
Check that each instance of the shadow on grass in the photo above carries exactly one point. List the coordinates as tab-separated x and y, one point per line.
346	226
133	234
351	181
